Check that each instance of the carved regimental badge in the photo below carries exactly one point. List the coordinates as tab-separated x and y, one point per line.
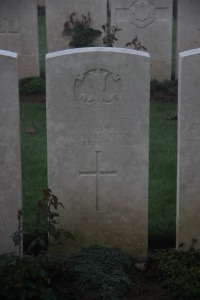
142	13
98	87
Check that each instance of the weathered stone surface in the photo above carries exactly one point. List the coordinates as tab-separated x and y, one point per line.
98	133
188	189
151	23
10	160
58	13
19	33
188	25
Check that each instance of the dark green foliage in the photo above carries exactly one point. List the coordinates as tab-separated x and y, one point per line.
101	271
169	87
80	31
32	86
136	44
180	272
25	278
110	34
47	217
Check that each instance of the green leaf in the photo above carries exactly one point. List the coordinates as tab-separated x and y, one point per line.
59	203
32	244
53	215
16	237
53	231
68	235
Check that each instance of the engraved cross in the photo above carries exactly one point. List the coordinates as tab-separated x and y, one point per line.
98	173
7	32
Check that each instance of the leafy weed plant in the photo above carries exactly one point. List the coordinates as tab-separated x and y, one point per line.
136	44
110	35
83	35
28	276
180	272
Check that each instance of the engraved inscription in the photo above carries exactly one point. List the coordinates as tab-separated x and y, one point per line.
97	173
194	132
142	13
101	222
98	87
96	133
4	30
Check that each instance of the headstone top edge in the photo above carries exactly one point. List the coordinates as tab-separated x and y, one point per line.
189	52
96	49
8	53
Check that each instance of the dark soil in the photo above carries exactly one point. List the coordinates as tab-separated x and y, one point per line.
146	284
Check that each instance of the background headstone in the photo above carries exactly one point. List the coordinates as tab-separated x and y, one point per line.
188	25
19	33
98	133
58	13
10	160
41	2
151	23
188	190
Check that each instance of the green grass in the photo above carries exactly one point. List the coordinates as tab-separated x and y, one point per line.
162	187
174	56
162	190
42	43
34	157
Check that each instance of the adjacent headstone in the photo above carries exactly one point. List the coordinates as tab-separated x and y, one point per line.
188	190
188	25
19	33
10	160
98	136
58	13
150	22
41	2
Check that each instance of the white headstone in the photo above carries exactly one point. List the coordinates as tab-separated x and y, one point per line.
188	190
10	160
58	13
98	137
19	33
188	25
151	23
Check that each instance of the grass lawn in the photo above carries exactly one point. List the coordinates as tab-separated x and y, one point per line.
162	183
34	157
162	190
42	43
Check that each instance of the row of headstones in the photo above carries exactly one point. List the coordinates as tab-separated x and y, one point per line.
98	146
149	21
